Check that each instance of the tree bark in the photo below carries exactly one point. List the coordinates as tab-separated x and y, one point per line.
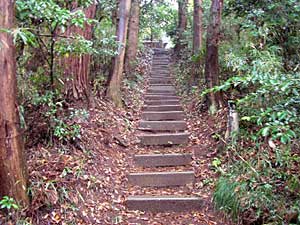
182	24
197	39
13	171
76	68
116	76
215	99
133	37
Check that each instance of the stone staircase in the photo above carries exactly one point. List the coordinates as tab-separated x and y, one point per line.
162	124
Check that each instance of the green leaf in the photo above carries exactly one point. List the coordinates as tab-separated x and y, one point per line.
265	131
284	139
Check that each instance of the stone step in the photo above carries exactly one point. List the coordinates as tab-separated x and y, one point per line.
162	92
163	125
156	160
168	84
164	67
160	70
161	67
160	77
161	85
161	97
166	76
161	53
162	102
164	203
162	108
164	138
160	62
160	81
161	179
162	88
160	116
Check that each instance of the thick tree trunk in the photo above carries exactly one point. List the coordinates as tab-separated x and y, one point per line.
116	76
197	39
13	171
182	24
215	100
76	68
133	37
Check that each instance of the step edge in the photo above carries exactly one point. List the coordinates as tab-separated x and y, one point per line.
162	173
163	197
164	155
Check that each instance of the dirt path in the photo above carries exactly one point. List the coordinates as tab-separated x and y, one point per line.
87	182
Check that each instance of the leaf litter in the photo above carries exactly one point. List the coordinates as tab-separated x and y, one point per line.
87	184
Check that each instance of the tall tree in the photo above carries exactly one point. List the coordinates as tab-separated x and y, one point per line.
215	99
133	36
182	24
197	34
116	76
13	172
76	68
197	39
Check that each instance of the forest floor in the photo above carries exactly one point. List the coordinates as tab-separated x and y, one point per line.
85	183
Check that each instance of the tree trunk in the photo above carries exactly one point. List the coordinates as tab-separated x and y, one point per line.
76	68
13	171
197	39
182	24
116	76
133	37
215	99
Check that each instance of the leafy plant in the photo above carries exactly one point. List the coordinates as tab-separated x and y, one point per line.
8	203
226	196
58	124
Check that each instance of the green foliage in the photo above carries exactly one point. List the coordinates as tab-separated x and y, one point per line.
259	57
54	14
41	27
262	188
75	46
61	125
226	196
42	42
157	17
272	103
8	203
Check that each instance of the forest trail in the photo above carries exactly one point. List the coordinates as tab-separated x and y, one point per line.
163	124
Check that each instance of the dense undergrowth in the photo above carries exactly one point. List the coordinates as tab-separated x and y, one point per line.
76	159
259	57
